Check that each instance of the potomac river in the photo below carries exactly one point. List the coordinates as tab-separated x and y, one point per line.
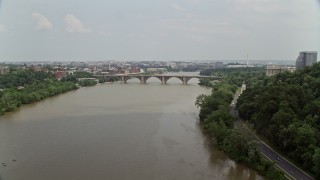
115	131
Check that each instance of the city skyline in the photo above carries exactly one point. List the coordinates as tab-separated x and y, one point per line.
78	30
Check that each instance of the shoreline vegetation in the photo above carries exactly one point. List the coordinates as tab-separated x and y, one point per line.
217	121
285	110
27	86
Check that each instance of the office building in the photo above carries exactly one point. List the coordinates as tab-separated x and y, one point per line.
306	58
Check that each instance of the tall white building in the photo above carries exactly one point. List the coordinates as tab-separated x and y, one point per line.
306	58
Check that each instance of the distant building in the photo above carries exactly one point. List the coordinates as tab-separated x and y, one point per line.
172	65
59	74
35	68
218	65
306	58
157	70
276	69
134	70
4	70
122	71
94	79
238	66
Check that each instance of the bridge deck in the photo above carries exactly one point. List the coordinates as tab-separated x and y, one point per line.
155	75
163	78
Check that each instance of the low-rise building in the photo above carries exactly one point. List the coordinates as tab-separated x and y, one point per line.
272	70
35	68
157	70
59	74
218	65
239	66
4	70
134	70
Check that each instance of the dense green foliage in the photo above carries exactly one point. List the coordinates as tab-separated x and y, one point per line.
205	82
102	80
237	76
87	82
34	86
216	120
22	78
78	74
286	110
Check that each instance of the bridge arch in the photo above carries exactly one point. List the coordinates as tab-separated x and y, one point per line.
189	78
154	77
166	79
132	77
183	79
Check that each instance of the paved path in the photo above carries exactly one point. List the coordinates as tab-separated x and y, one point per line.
290	169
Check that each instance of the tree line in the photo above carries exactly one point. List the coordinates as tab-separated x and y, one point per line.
216	120
26	86
285	109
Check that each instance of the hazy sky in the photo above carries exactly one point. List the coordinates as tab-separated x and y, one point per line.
157	29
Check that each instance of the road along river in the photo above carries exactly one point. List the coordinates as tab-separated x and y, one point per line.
113	131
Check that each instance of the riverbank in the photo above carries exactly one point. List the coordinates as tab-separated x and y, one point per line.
11	99
217	121
26	86
284	109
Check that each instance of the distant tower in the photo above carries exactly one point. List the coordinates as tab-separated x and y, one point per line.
109	66
247	61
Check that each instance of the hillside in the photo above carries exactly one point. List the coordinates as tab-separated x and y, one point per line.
285	109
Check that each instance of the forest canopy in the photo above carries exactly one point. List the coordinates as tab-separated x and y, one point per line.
285	109
26	86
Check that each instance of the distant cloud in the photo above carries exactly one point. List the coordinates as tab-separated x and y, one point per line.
177	7
73	24
163	34
102	33
3	28
261	6
182	11
42	22
200	26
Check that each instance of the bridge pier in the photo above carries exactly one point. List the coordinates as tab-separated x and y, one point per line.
186	80
142	79
122	79
165	79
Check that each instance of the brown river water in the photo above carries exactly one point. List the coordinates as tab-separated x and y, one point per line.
114	131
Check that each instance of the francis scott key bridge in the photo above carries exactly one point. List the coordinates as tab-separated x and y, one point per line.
163	78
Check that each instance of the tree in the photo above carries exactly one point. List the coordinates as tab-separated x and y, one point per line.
316	162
